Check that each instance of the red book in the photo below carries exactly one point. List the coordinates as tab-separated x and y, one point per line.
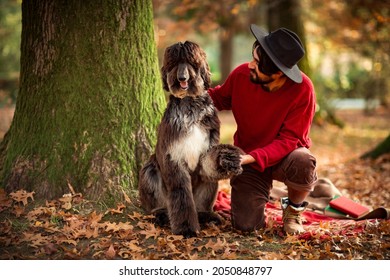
349	207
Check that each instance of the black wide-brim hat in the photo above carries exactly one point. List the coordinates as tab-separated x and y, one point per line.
284	48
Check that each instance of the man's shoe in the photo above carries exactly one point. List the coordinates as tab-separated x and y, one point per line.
292	220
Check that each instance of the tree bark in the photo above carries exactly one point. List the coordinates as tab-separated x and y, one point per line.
288	13
90	98
226	52
381	149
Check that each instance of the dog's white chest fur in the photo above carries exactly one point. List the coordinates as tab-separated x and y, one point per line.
190	147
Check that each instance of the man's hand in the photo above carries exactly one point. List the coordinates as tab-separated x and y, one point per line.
246	159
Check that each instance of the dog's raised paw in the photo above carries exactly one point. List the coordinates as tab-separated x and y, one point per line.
229	160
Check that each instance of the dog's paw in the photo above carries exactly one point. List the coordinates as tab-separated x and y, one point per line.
161	217
186	229
188	233
229	160
209	217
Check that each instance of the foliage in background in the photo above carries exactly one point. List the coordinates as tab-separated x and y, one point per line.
10	29
361	29
219	21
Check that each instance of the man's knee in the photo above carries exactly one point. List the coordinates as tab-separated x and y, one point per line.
302	167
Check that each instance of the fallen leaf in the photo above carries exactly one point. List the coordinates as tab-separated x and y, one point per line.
67	241
110	253
66	200
5	201
71	189
135	216
94	219
127	199
150	231
133	245
18	210
50	248
118	210
22	196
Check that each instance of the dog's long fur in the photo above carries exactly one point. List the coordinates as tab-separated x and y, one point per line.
179	183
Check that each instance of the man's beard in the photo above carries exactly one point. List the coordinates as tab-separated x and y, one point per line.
257	80
263	83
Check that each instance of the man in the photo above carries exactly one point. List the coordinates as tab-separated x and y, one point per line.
273	104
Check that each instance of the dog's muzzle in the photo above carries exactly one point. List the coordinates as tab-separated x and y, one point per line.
183	76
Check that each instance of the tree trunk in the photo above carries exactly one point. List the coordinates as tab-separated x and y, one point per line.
90	98
226	52
287	13
381	149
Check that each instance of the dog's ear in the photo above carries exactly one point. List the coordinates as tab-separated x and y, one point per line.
167	60
206	75
164	76
198	57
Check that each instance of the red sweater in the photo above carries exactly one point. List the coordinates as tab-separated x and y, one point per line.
270	125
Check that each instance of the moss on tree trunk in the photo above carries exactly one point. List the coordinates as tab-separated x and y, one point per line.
90	98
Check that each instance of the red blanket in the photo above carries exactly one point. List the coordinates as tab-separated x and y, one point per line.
222	205
311	220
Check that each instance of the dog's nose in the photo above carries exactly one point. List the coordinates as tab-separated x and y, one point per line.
182	72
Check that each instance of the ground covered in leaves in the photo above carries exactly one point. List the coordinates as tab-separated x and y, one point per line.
72	227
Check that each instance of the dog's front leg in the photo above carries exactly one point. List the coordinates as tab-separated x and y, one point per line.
181	206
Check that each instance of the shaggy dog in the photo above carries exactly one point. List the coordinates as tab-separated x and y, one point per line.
179	183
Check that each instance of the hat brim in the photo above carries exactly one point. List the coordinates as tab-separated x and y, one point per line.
294	73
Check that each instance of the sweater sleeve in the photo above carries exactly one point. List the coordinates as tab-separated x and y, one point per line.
222	94
220	97
294	133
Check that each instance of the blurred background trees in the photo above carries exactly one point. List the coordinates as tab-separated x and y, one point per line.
347	42
10	30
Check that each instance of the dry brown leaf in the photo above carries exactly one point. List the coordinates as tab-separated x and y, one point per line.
118	210
127	199
50	248
35	239
110	226
22	196
150	231
124	226
124	254
5	201
227	255
66	201
110	253
135	216
216	246
71	189
18	210
94	219
67	241
133	245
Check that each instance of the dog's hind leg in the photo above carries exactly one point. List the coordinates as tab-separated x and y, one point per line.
150	186
205	195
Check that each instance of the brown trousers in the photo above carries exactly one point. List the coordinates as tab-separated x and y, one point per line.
251	189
